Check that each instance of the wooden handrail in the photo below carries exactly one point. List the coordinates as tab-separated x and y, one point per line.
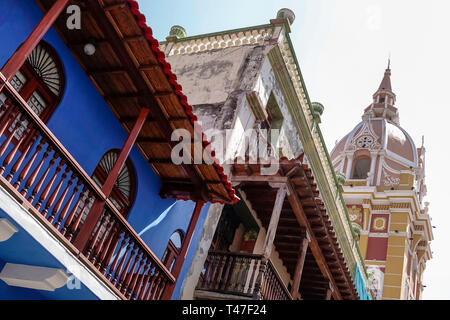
51	137
139	240
90	189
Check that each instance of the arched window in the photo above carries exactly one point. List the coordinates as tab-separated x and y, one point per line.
124	190
40	81
361	169
173	249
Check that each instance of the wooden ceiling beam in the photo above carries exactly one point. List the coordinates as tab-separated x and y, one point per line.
297	206
148	100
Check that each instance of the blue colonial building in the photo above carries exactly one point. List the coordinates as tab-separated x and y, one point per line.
92	206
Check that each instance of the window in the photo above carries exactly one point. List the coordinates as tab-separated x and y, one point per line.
361	169
124	191
173	249
40	82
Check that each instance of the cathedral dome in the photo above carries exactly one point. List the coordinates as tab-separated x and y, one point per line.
377	149
379	134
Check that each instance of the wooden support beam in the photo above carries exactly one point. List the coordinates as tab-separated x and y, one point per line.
299	267
315	248
22	53
272	229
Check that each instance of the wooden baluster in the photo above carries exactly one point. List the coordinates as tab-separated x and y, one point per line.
107	248
247	273
76	223
7	142
19	161
241	275
130	273
147	284
9	116
49	185
96	235
127	266
227	273
259	280
251	286
27	168
152	284
146	279
34	174
156	288
235	270
140	288
4	111
112	269
118	272
61	200
132	287
101	248
106	256
55	192
211	269
221	265
67	207
217	259
161	287
13	151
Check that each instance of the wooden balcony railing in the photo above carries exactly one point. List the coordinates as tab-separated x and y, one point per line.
45	178
247	275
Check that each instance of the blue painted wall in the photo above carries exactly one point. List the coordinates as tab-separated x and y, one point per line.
87	128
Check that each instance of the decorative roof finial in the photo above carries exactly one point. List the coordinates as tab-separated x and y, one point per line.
178	31
389	62
287	14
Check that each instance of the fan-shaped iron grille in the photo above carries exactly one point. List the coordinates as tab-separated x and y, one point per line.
46	67
123	182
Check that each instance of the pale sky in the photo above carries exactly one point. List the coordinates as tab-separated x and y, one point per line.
343	47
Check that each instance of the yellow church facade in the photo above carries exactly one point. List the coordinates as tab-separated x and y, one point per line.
383	176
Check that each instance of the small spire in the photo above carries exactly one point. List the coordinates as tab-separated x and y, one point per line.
389	62
386	82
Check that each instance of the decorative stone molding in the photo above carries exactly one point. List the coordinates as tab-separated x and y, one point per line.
219	41
380	207
7	229
39	278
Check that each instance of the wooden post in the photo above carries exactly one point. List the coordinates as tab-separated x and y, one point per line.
299	267
270	236
183	251
18	58
273	224
97	207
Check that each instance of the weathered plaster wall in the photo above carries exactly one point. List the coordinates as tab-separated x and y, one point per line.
217	83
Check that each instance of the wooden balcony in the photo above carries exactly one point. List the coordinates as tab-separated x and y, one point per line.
243	276
42	175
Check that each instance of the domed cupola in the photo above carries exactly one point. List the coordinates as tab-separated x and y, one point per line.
377	150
